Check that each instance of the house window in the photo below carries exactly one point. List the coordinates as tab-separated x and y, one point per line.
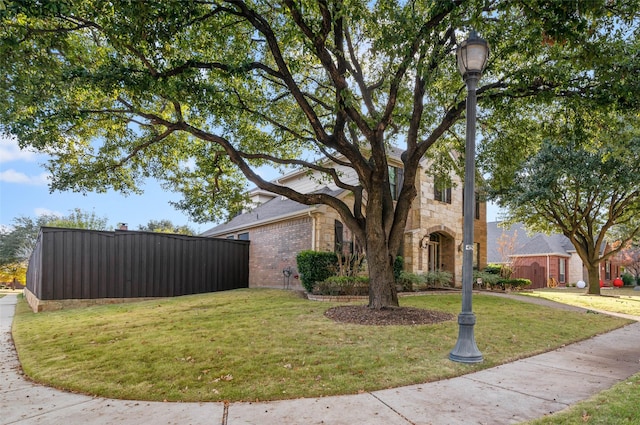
477	205
396	176
230	237
607	270
243	236
562	264
338	236
442	190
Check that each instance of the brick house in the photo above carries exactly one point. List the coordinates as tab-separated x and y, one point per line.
540	257
279	228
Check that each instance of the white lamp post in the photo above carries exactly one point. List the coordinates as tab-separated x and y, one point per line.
472	57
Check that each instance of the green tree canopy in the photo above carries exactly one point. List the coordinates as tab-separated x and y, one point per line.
78	219
166	226
17	242
201	94
582	180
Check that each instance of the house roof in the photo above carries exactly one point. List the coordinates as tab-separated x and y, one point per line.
277	208
524	244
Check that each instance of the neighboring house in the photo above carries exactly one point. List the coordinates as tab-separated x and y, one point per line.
540	257
279	228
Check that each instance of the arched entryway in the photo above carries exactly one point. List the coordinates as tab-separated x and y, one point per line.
437	251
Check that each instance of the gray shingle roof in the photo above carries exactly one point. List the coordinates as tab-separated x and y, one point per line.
272	209
525	244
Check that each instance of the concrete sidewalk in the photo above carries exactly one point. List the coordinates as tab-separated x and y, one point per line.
507	394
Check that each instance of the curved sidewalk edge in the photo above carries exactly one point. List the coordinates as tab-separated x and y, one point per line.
507	394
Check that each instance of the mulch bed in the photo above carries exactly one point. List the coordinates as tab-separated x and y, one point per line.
363	315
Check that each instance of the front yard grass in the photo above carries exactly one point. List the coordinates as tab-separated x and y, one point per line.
256	344
617	300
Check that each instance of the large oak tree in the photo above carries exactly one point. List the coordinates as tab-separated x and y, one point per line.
201	93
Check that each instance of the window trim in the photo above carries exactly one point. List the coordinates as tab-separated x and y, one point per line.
396	179
441	191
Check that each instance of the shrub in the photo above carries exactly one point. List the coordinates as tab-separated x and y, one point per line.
504	270
410	281
628	279
342	285
513	284
438	279
493	268
489	279
422	282
349	264
315	266
398	267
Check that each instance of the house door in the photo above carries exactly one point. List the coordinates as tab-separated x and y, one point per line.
437	253
433	253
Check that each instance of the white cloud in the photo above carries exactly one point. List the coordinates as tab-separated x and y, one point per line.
10	151
13	176
46	211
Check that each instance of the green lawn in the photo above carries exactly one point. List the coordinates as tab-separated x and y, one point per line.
617	300
270	344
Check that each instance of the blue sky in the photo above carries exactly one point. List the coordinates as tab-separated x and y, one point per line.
24	192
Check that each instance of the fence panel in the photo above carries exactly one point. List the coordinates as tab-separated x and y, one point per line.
87	264
534	272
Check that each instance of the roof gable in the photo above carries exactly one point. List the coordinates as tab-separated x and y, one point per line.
524	243
276	208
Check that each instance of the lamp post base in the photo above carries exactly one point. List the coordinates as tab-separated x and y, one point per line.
466	350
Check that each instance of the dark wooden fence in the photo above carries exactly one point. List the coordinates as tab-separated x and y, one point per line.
534	272
89	264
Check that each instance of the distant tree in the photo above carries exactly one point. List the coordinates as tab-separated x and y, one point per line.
13	272
16	245
583	180
629	257
166	226
17	242
78	219
506	246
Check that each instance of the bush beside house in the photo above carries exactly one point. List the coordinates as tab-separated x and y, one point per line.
315	266
423	281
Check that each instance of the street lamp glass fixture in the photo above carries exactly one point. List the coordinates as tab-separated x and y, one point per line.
472	56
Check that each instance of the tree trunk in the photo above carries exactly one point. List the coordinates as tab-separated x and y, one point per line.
593	270
382	288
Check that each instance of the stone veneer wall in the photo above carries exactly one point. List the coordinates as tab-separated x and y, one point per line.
428	215
575	269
